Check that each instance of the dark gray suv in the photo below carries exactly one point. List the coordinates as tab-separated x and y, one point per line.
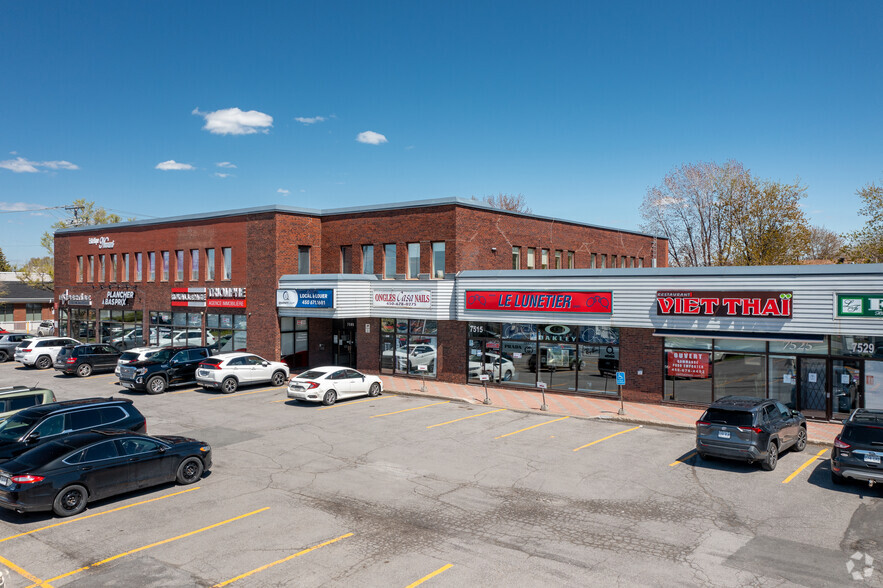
858	449
749	429
8	343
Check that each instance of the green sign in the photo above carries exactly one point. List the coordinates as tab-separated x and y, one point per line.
860	305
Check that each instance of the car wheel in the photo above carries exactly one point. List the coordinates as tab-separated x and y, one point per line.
507	376
374	390
800	445
772	457
278	379
84	370
189	471
229	385
44	362
3	356
329	398
156	385
70	501
837	479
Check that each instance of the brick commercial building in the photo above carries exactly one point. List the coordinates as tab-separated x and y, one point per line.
22	307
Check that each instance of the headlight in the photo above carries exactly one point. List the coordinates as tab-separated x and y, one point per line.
140	371
205	448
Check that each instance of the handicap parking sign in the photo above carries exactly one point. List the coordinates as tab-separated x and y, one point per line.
620	378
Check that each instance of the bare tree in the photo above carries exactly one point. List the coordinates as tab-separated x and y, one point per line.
514	203
866	244
824	244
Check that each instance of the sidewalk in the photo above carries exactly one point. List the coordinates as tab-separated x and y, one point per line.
819	433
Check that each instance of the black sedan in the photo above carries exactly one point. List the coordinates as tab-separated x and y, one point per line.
65	474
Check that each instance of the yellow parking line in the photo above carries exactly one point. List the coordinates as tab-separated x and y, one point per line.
283	560
469	417
801	468
182	391
24	573
408	409
433	574
136	550
238	394
354	402
608	437
532	427
98	514
683	458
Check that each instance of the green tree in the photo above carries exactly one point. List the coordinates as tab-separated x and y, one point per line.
866	244
38	272
4	264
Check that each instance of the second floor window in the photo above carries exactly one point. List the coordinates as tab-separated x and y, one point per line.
79	268
209	264
438	259
125	277
544	259
346	259
91	268
227	252
151	266
413	260
303	259
194	265
367	259
165	266
557	260
531	258
594	260
139	267
179	265
389	260
516	258
570	263
113	267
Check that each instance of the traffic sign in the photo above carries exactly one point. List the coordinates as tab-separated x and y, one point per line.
620	378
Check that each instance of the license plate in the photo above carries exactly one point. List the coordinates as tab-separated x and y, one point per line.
723	434
297	388
127	384
872	458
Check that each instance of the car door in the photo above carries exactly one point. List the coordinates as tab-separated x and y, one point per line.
775	423
239	368
104	471
178	367
262	371
340	383
791	424
104	357
356	382
148	462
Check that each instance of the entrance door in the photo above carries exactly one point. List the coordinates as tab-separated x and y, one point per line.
812	396
873	384
846	386
343	342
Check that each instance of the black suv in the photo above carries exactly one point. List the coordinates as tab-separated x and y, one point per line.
858	448
85	359
8	343
33	426
749	429
171	366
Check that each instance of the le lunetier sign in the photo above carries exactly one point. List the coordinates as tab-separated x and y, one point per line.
724	303
539	301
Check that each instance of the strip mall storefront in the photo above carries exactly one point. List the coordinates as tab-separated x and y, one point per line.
809	336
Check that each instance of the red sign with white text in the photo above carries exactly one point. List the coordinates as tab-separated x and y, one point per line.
724	304
594	302
687	364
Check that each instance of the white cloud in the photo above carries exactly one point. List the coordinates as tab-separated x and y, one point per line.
371	138
19	206
283	191
173	165
233	121
225	164
310	120
220	175
21	165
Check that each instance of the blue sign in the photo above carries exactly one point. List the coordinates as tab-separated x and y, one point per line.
305	298
620	378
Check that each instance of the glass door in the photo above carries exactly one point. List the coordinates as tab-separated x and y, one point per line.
846	386
343	342
812	395
873	384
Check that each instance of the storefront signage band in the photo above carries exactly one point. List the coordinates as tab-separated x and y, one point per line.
593	302
209	297
75	299
305	298
119	297
860	305
724	304
402	299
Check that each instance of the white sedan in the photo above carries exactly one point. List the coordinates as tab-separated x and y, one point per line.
228	371
329	383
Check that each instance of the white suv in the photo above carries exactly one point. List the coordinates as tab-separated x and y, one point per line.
40	352
133	355
228	370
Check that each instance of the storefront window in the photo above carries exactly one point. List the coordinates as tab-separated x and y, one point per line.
295	343
857	346
739	345
687	343
124	329
226	332
738	374
84	324
782	380
174	329
688	375
409	347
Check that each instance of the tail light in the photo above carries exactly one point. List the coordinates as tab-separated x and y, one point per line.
750	429
26	350
702	423
209	366
840	444
306	385
26	479
72	360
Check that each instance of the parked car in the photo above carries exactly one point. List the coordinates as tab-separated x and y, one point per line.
133	355
229	370
83	360
328	384
858	448
171	366
8	343
63	475
40	352
749	429
499	368
40	424
16	398
46	328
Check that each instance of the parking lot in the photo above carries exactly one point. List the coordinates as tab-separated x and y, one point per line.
404	491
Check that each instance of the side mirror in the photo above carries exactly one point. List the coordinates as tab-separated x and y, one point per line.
265	363
33	437
162	449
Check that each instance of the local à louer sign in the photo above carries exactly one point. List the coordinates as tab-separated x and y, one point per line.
539	301
209	297
724	304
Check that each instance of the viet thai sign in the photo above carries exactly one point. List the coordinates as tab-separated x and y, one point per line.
305	298
724	304
687	364
209	297
402	298
75	299
119	297
593	302
860	305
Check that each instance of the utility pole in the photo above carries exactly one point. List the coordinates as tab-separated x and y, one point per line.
75	209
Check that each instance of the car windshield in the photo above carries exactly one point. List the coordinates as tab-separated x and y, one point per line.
736	418
863	435
15	426
128	356
164	355
311	375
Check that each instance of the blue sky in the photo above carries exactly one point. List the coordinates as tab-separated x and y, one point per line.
580	106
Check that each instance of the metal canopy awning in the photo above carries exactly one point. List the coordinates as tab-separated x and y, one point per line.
755	336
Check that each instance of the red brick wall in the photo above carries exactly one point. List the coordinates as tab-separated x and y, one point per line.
640	350
453	356
320	342
368	345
